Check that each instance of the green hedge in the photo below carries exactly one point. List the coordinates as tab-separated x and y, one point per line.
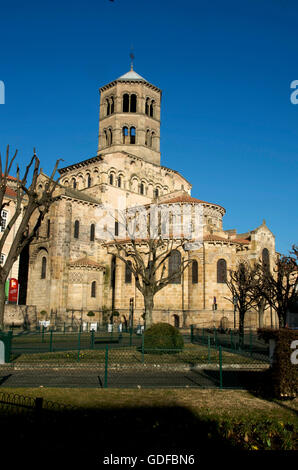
163	336
284	373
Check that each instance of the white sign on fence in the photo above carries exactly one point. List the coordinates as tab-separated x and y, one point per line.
93	326
44	323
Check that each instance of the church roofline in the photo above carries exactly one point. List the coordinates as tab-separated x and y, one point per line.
129	80
75	166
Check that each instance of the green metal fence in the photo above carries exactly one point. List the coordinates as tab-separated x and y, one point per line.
89	360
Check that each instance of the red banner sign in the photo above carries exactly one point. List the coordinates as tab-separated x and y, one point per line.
13	290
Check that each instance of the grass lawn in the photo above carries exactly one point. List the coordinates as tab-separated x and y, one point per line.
192	354
121	421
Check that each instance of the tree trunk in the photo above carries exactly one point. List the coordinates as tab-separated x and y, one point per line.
261	309
149	304
2	304
241	329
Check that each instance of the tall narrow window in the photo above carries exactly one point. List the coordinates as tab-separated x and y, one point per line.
111	179
76	229
132	135
106	137
156	192
194	270
110	136
125	135
108	107
93	289
119	182
125	106
92	232
112	105
89	180
142	188
221	271
74	183
43	267
116	228
133	103
128	272
152	108
147	106
175	267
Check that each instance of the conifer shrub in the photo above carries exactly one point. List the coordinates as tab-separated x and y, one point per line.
163	338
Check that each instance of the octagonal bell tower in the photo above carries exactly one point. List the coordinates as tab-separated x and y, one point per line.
129	118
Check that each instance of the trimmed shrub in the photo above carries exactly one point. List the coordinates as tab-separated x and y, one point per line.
284	372
163	336
90	314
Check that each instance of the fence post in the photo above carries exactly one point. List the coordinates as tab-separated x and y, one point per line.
191	333
38	405
64	328
79	345
220	368
51	340
143	344
92	339
105	385
250	342
208	349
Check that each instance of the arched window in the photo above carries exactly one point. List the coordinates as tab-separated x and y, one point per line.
76	229
221	271
266	259
151	138
142	188
108	107
133	103
116	228
112	105
74	183
119	181
147	138
111	179
147	106
125	135
92	232
93	289
132	135
156	192
128	272
43	267
175	267
125	106
89	180
194	272
152	108
106	137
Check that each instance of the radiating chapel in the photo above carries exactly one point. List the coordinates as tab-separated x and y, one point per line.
67	270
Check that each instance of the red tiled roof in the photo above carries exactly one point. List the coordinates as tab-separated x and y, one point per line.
187	198
85	262
10	192
215	238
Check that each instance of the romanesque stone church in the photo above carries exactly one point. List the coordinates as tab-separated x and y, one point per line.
69	270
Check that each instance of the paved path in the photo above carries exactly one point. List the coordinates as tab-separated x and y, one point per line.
93	377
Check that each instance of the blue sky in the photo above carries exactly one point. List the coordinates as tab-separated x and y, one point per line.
225	68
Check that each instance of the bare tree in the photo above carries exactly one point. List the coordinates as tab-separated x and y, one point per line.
280	286
147	258
30	207
241	283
